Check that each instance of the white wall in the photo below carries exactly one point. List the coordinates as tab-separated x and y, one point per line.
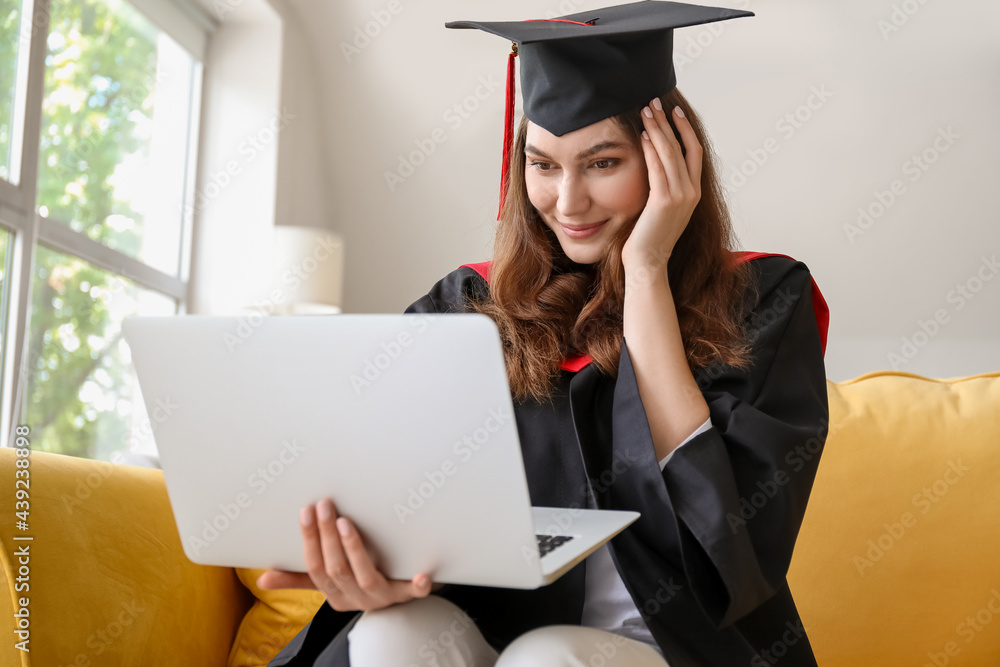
886	98
263	157
894	94
234	209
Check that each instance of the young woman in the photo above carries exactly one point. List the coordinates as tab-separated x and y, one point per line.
653	369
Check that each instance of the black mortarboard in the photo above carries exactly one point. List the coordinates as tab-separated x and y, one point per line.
581	68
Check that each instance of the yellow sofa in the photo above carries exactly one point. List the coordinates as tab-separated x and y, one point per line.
897	562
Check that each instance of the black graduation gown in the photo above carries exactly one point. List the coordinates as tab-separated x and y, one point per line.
706	561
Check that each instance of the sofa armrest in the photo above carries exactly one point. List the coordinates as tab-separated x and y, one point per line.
109	581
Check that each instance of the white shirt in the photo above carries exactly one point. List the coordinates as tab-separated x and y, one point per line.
607	604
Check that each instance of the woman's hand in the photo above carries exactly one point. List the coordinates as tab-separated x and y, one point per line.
339	565
674	191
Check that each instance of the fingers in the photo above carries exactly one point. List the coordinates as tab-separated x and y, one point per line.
316	560
660	115
331	560
340	566
420	586
368	580
312	551
661	136
692	147
281	579
654	167
683	173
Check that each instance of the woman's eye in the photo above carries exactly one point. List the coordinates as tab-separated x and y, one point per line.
601	165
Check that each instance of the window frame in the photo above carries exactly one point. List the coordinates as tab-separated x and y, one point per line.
191	28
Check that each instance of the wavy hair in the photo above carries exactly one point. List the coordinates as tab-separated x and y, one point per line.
548	307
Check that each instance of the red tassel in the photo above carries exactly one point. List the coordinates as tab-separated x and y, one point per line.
508	128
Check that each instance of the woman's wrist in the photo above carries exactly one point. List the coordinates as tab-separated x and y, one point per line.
639	275
646	266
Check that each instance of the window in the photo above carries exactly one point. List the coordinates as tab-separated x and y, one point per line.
5	257
13	76
113	141
82	396
114	130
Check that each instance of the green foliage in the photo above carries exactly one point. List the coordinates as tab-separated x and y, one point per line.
4	284
77	380
99	84
100	76
10	17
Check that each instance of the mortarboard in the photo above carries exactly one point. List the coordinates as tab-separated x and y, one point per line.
581	68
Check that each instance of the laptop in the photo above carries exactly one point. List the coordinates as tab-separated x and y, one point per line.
404	420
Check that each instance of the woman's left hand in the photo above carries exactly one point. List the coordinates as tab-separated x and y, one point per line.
674	191
340	566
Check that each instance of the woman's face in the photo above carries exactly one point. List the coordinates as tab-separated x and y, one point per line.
585	184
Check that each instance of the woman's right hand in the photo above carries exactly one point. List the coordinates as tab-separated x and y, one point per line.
339	566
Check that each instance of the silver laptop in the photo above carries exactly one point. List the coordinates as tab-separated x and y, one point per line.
404	421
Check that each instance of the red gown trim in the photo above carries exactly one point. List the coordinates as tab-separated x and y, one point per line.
820	308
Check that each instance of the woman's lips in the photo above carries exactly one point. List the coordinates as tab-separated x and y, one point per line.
582	231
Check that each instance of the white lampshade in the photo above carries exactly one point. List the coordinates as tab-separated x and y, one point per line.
308	269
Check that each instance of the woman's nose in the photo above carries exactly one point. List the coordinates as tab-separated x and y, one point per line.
573	197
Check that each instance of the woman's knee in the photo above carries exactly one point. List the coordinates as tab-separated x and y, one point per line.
575	646
551	646
421	630
417	617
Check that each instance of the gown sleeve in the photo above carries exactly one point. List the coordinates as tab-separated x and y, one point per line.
701	429
730	502
452	293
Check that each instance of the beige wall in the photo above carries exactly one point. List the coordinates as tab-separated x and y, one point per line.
878	96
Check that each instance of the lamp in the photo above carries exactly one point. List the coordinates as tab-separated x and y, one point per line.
307	270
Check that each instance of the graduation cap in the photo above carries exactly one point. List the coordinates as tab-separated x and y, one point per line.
581	68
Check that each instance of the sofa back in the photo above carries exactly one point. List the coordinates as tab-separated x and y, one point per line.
109	582
896	563
898	558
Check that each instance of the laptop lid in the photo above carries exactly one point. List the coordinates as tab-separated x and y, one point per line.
405	421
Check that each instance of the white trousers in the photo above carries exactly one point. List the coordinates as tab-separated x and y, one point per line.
434	632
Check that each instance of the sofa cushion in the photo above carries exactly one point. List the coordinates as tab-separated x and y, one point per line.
275	617
897	559
109	582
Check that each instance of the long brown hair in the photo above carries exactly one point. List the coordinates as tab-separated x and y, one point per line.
548	308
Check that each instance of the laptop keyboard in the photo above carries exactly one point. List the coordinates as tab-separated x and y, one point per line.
549	543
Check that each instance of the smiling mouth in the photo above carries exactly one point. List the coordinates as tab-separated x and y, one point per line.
582	228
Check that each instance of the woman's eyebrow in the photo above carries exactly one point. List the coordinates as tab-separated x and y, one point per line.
597	148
